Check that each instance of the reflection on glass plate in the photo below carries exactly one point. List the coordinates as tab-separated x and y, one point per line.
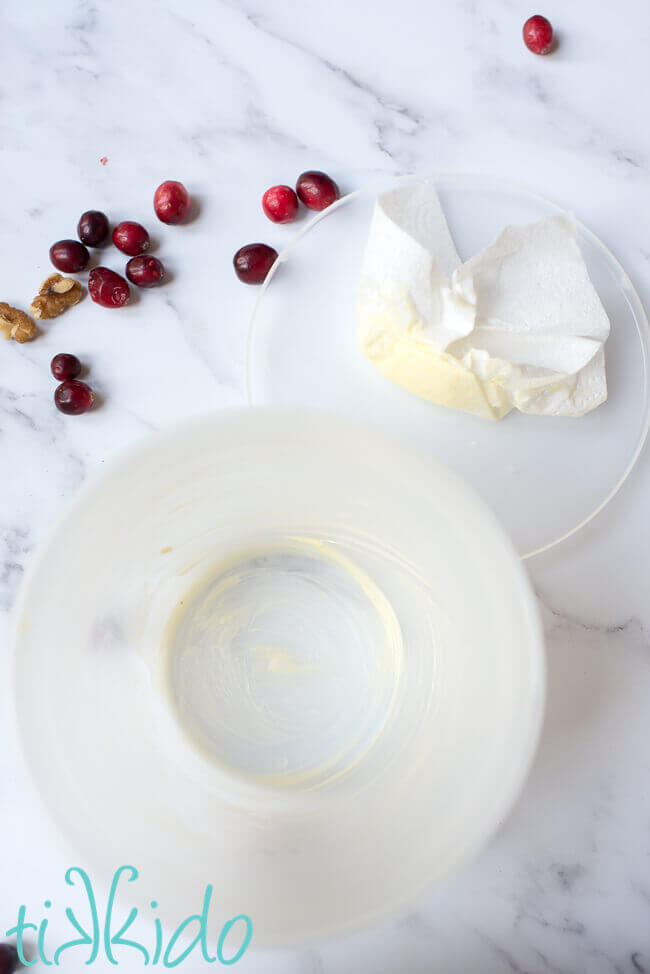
544	477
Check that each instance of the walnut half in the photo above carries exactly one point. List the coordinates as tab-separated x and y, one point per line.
55	295
16	324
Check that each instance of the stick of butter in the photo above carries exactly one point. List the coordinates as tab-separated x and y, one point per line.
519	325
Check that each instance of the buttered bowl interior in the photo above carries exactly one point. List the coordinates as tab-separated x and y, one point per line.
282	654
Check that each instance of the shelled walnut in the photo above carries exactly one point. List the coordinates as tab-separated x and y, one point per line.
16	324
55	295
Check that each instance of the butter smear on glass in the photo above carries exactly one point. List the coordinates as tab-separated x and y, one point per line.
519	325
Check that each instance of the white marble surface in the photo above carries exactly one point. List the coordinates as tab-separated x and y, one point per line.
231	97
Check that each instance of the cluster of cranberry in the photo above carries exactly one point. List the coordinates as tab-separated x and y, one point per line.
72	396
317	190
280	203
171	204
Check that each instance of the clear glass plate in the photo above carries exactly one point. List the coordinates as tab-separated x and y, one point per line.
545	478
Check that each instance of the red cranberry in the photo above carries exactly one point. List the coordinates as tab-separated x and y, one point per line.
538	34
253	262
316	190
280	204
69	256
73	397
145	271
131	238
172	202
92	228
9	960
107	288
64	366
